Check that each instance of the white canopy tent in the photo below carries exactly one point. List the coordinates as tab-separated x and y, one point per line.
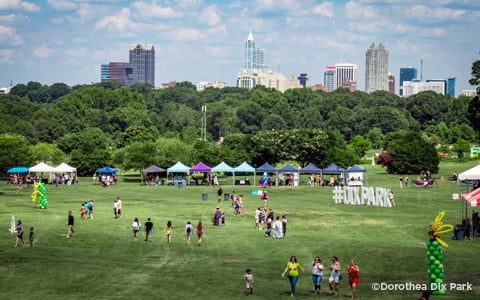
468	175
65	168
42	168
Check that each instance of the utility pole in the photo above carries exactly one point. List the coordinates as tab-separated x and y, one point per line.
204	123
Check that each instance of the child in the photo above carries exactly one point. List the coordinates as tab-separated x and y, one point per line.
168	231
249	280
199	232
284	225
188	231
31	237
83	212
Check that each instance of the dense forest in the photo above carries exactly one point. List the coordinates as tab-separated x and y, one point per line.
99	124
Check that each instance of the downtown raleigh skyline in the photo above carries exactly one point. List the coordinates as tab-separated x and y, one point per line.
255	71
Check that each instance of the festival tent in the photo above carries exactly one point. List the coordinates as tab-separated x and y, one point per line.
41	167
244	168
472	197
311	168
106	170
470	174
333	169
288	169
200	167
179	167
151	170
267	168
17	170
222	167
356	172
65	168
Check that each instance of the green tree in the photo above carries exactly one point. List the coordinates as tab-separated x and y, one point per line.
475	80
411	154
138	155
461	147
375	136
48	153
15	150
360	146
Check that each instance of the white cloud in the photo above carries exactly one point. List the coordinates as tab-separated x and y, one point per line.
118	21
209	15
9	37
43	52
153	10
76	52
324	9
61	5
7	18
355	10
6	56
17	4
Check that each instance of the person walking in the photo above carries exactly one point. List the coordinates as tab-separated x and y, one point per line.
115	209
188	231
292	268
71	224
199	232
136	228
119	207
148	230
317	274
335	276
19	234
168	231
90	209
31	236
353	271
277	228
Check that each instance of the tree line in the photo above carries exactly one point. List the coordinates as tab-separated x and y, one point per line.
106	124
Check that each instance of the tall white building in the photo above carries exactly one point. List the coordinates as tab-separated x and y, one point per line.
346	75
417	86
376	68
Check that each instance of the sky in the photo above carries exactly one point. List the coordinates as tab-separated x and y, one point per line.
198	40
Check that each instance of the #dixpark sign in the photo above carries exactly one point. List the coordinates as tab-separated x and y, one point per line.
362	196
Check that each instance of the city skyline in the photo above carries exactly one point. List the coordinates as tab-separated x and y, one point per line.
68	41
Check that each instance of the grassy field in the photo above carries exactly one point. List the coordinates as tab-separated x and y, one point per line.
103	260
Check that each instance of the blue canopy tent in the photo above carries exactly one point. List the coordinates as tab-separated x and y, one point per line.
243	168
17	170
267	168
311	168
334	169
288	169
179	167
356	176
223	167
106	170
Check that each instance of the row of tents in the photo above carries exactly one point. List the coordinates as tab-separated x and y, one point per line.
179	167
43	167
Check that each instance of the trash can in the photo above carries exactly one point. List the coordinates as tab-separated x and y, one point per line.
204	196
226	197
180	184
459	234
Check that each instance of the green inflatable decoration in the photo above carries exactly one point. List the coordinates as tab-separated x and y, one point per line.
40	194
434	254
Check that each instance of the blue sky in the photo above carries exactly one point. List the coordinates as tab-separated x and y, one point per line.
197	40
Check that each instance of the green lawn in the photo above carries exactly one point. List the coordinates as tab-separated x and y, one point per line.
103	261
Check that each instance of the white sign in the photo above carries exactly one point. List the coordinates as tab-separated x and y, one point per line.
362	196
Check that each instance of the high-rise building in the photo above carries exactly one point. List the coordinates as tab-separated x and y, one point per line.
123	73
376	68
449	85
303	78
406	74
329	79
105	73
416	86
391	83
254	56
144	57
346	76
